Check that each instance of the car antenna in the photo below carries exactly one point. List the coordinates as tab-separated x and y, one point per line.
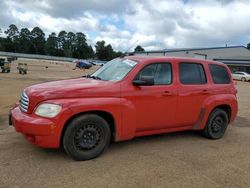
126	52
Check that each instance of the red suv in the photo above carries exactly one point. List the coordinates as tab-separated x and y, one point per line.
126	98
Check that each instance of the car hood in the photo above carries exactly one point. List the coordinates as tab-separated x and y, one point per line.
72	88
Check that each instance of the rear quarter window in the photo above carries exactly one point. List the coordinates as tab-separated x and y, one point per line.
219	74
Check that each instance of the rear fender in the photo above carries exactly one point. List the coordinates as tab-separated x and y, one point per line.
211	103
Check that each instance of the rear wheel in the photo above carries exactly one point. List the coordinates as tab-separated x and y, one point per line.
216	124
243	79
86	137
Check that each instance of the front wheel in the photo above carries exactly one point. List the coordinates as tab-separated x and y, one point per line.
216	124
86	137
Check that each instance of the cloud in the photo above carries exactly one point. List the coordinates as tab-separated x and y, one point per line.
154	24
191	24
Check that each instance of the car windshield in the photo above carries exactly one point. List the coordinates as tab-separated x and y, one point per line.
114	70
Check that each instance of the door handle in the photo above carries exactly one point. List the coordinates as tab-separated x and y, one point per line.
167	93
205	92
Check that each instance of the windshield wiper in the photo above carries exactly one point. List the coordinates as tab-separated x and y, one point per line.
93	77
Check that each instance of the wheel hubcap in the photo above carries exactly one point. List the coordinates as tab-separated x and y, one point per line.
87	137
217	124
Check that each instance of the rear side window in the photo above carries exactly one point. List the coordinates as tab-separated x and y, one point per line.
192	74
239	73
219	74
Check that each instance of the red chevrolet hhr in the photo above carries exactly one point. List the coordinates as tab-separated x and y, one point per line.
126	98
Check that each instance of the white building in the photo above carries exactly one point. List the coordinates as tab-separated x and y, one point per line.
236	57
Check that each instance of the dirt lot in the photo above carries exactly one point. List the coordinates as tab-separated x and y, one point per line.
171	160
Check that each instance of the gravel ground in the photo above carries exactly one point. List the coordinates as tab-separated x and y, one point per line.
182	159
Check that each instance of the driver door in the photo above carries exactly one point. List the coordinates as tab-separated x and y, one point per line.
154	105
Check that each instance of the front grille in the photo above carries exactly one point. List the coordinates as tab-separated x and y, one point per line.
24	102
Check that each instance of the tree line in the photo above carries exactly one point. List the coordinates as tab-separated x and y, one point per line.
64	44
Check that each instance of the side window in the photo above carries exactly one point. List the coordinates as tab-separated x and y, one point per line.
162	73
219	74
192	74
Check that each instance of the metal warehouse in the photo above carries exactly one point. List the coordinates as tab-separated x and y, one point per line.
236	57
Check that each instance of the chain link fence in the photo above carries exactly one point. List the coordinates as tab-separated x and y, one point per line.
36	56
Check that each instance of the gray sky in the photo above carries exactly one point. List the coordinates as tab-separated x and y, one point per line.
156	24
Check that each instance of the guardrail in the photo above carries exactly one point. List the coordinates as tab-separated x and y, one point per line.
35	56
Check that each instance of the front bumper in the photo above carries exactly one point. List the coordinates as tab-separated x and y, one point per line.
37	130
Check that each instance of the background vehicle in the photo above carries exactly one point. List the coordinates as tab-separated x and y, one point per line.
126	98
243	76
5	66
22	68
83	64
98	62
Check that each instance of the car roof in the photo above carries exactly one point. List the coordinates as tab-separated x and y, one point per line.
240	72
169	58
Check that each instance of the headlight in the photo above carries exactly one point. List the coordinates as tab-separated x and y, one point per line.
48	110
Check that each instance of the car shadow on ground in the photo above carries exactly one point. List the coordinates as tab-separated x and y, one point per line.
152	140
159	138
241	122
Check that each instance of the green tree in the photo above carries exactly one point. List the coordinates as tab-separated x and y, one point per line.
104	52
2	44
12	38
70	43
38	40
139	49
2	41
248	46
82	49
24	41
89	52
109	52
51	46
61	41
118	54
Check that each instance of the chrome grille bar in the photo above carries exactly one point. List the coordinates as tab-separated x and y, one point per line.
24	102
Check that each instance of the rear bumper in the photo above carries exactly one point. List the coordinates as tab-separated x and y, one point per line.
37	130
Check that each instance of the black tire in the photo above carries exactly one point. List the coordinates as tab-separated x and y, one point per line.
86	137
243	79
20	72
216	124
8	71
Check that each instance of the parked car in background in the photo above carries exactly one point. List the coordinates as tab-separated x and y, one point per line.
243	76
98	62
128	97
5	65
22	68
82	64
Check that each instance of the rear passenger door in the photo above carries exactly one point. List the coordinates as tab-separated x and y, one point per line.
193	89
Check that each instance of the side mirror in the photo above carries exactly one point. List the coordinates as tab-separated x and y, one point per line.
144	81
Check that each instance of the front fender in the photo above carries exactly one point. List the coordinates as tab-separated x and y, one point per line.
82	105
